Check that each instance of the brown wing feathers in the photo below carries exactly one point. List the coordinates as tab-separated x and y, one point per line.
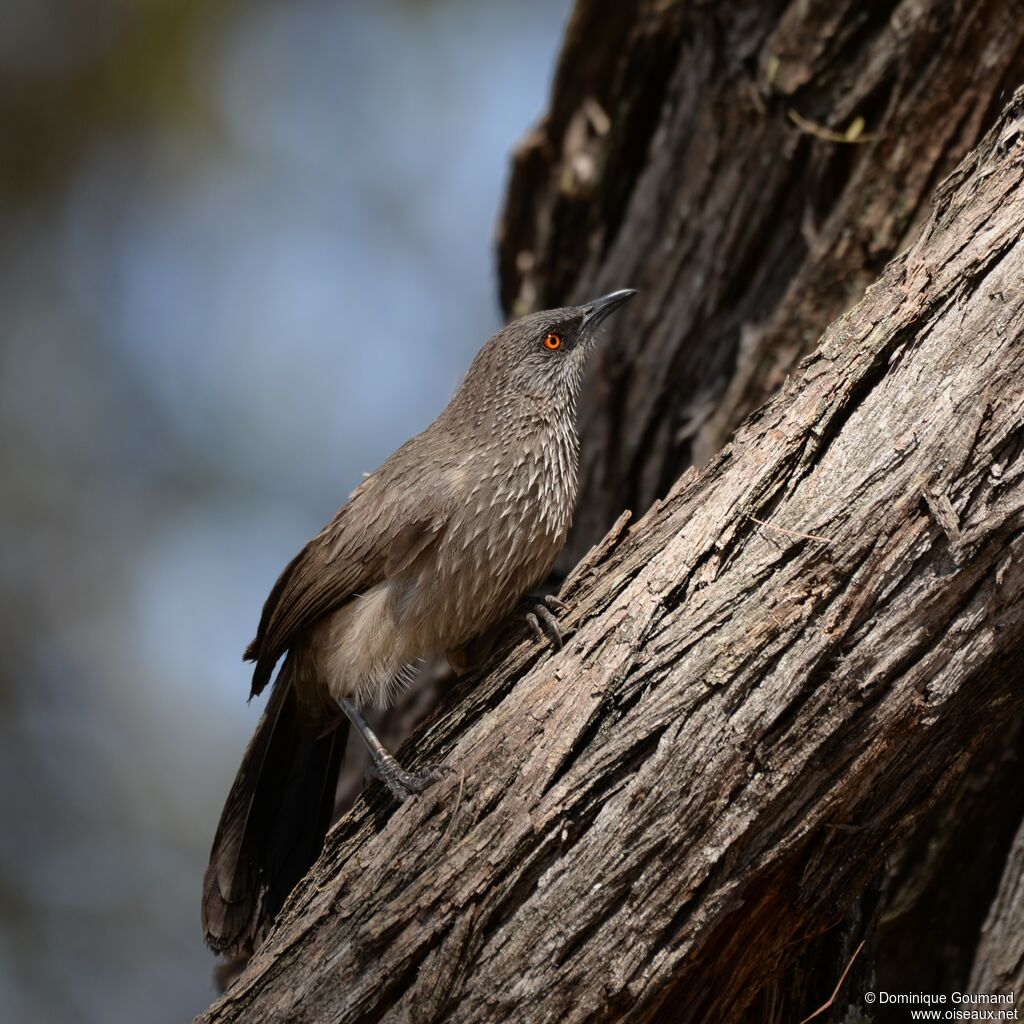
279	807
341	561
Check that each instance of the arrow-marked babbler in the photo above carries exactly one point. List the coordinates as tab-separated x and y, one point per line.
435	547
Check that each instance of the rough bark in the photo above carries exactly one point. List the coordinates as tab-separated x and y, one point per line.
770	680
703	151
686	152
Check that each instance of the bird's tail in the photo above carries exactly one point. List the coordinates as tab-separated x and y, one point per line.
273	824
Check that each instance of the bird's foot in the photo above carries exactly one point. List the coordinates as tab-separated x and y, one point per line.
403	784
384	766
539	613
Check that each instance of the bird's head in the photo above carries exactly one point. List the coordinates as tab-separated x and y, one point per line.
541	355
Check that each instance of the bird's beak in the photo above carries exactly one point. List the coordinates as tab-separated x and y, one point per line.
595	312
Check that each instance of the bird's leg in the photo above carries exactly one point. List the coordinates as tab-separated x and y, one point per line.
383	766
539	613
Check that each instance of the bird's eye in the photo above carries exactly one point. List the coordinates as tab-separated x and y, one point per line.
553	341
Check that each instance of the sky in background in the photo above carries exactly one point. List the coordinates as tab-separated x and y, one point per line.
245	252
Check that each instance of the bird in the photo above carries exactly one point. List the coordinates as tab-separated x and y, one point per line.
445	540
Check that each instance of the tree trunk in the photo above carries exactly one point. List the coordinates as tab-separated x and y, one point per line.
689	152
752	166
769	681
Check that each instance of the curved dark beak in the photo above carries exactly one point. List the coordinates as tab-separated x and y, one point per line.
595	312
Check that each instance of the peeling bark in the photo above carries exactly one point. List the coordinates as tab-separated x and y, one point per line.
770	680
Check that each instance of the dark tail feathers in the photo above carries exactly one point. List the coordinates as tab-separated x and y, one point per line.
273	824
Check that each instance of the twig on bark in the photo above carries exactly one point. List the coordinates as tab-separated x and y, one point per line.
789	533
835	992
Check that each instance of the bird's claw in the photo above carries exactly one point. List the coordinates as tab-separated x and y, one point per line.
539	613
403	784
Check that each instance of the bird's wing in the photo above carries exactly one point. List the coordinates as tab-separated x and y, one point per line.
377	534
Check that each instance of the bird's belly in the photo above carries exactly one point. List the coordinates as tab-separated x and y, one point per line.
359	651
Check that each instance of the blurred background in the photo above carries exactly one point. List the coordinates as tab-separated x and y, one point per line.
245	252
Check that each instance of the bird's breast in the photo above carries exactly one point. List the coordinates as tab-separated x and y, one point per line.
500	543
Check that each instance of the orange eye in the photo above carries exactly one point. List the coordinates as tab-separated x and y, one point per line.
553	341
